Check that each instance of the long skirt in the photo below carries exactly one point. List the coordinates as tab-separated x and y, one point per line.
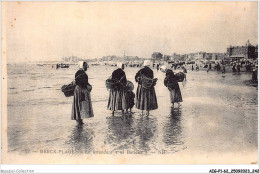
131	99
146	98
175	95
82	106
118	99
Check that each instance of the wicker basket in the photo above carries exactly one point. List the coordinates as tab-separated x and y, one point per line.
148	82
180	76
111	84
129	86
68	90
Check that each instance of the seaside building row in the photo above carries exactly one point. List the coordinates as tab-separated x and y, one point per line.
247	52
244	53
239	53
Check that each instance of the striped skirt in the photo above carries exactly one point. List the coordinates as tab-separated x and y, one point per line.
118	99
146	98
82	106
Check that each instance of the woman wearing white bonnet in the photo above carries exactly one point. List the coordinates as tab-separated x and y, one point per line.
82	106
147	63
145	94
118	94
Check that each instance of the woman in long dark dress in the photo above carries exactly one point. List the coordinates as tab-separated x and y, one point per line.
171	83
82	106
145	96
118	98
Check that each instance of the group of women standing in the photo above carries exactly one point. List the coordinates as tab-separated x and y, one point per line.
121	96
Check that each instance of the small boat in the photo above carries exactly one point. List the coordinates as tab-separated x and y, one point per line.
62	65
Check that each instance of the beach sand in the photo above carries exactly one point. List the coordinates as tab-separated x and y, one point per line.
218	116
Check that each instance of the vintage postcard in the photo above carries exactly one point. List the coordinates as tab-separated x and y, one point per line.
129	82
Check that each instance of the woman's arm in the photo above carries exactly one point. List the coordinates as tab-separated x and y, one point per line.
166	82
123	80
137	76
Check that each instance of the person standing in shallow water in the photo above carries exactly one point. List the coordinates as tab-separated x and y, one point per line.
82	106
171	83
145	93
118	99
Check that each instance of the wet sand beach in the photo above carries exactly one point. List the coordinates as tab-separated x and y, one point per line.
218	115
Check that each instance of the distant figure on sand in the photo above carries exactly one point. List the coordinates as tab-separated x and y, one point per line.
118	94
218	67
145	94
82	106
184	70
158	67
192	67
234	69
171	83
223	70
238	68
255	74
197	67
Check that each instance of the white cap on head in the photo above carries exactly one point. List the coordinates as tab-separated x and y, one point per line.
119	64
81	64
147	63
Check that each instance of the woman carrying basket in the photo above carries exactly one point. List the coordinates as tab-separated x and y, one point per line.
118	98
82	106
145	94
171	82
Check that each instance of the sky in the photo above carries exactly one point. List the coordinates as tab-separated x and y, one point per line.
34	31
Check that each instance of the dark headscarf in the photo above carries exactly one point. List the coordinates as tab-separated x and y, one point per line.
170	74
169	80
119	75
81	78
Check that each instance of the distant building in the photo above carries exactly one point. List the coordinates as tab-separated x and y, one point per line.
199	55
208	56
72	59
107	58
166	57
177	57
191	56
157	56
242	52
218	56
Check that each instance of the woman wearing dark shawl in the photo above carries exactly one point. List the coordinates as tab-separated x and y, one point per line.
171	83
118	99
145	96
82	106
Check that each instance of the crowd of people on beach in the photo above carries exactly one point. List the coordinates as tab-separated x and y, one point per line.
235	68
121	95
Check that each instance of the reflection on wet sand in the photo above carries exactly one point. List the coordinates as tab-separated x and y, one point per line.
120	131
130	133
81	139
172	132
145	130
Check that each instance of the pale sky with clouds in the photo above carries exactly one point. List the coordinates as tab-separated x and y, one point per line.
33	31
